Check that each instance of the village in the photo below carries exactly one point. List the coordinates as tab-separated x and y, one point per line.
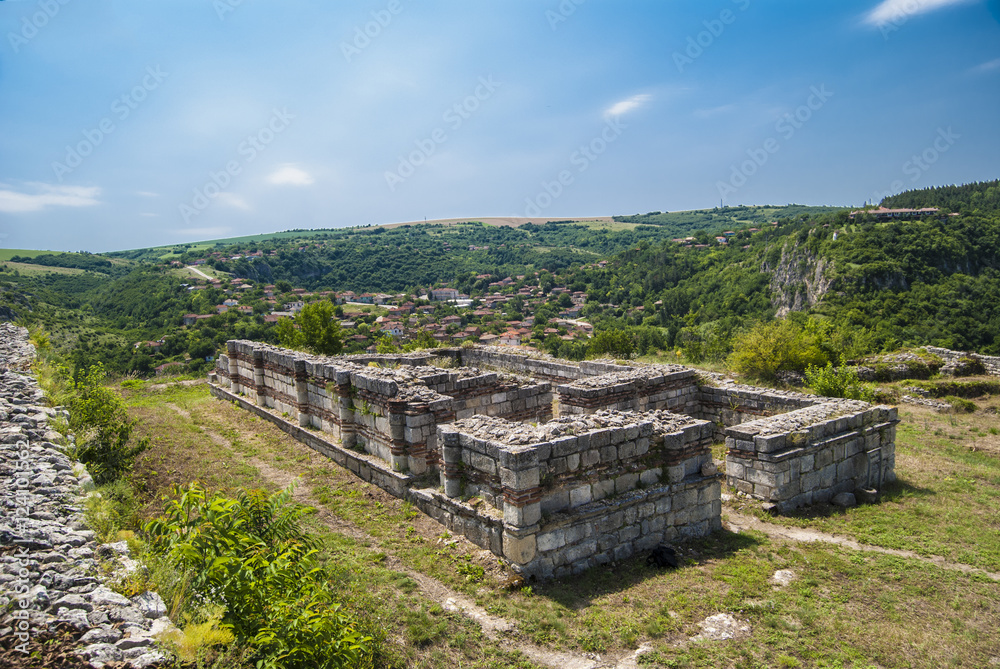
513	311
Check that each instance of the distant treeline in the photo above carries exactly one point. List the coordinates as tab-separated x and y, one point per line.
981	197
85	261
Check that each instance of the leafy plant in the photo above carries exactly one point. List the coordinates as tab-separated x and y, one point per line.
842	381
250	555
103	428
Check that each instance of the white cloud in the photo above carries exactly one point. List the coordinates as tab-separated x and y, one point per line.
893	10
625	106
46	195
290	175
987	67
233	200
146	193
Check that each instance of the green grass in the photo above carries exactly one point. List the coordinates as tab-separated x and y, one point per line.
948	492
845	608
7	254
37	270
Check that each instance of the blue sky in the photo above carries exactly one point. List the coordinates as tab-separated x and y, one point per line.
129	124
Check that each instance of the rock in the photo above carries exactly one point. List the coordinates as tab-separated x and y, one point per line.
845	500
75	617
709	469
102	596
126	614
104	634
128	643
165	625
147	659
99	654
783	577
720	627
150	604
866	496
73	602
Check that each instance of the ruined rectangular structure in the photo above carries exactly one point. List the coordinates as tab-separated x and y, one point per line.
609	462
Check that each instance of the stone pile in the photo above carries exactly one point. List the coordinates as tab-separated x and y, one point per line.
49	574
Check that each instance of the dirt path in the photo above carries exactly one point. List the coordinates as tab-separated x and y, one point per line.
198	272
737	522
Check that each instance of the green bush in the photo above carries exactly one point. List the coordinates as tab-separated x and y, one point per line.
960	405
103	429
830	381
251	555
767	348
613	342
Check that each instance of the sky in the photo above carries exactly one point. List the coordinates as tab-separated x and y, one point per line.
134	124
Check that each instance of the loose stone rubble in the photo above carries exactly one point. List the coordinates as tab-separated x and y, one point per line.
559	466
48	557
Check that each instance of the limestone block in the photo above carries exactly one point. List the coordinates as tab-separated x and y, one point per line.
580	495
525	479
664	504
519	550
550	541
650	477
627	450
626	482
603	488
556	501
521	516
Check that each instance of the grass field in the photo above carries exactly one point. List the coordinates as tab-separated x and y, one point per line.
844	608
7	254
34	270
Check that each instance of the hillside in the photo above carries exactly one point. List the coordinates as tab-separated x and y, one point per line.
859	286
903	282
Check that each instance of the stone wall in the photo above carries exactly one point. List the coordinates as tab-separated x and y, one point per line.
53	571
990	362
622	463
388	411
585	490
648	388
811	454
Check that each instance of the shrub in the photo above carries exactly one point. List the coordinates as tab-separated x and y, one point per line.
969	366
843	381
767	348
614	342
960	405
103	429
251	556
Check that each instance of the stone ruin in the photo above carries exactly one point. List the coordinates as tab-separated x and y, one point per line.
559	466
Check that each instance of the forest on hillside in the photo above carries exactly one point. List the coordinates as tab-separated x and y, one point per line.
883	284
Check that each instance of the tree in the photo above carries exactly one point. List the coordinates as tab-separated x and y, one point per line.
612	342
320	331
283	286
